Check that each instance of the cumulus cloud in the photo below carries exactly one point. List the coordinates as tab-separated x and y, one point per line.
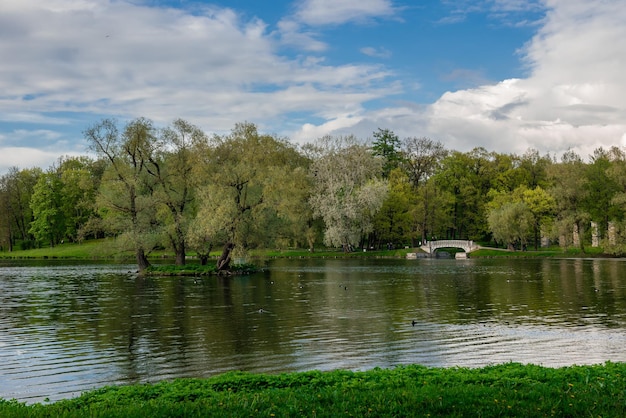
72	61
128	59
571	99
27	157
98	55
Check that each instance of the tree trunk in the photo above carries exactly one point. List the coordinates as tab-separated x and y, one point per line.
142	260
204	255
180	254
178	243
223	263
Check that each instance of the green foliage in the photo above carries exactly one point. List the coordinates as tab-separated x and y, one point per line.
386	145
393	222
49	222
347	190
253	192
508	390
196	269
175	188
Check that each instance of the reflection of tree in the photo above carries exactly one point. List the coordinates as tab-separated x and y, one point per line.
159	327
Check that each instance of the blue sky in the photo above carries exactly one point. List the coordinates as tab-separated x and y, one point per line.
507	75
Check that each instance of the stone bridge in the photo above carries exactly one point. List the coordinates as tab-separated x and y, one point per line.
467	246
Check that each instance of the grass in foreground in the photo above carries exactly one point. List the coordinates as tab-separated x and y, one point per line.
504	390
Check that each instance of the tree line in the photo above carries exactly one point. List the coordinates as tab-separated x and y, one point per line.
178	188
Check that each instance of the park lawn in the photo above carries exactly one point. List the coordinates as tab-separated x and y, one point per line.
97	249
486	252
105	249
86	250
508	390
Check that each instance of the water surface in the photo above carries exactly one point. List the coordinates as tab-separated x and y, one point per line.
65	329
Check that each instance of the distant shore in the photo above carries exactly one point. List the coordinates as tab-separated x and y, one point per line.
105	250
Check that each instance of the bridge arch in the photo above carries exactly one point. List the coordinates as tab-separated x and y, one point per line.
431	246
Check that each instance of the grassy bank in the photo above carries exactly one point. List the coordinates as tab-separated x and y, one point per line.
105	249
541	253
495	391
87	250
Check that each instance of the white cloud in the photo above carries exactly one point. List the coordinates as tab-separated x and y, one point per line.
292	34
72	58
333	12
26	157
376	52
210	67
572	98
296	29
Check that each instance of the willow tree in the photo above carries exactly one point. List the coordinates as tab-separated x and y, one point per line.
347	189
248	198
125	197
171	165
511	224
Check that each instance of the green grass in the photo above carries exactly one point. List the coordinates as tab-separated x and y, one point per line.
87	250
509	390
104	249
330	253
190	269
543	252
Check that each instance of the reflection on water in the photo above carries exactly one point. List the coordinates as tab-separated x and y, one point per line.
69	328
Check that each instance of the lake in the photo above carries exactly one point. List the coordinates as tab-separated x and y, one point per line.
67	328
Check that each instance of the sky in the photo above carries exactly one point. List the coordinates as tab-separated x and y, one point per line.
506	75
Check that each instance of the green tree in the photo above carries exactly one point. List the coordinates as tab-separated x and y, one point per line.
63	200
254	188
80	179
392	223
534	169
538	202
467	178
46	203
542	207
126	193
569	191
170	162
17	187
601	188
347	189
421	159
511	224
386	145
